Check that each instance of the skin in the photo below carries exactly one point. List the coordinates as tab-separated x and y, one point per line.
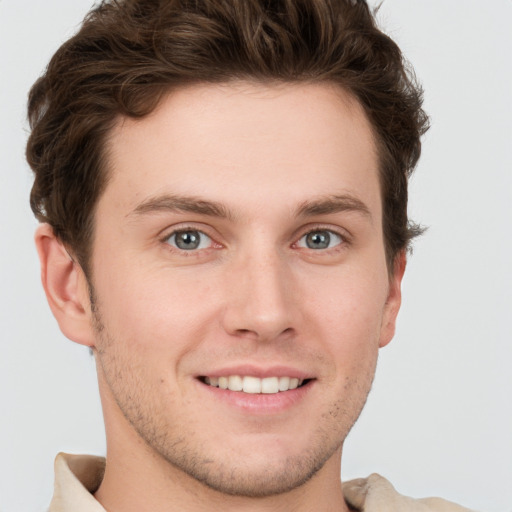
278	162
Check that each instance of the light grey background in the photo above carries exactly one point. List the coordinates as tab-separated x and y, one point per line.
439	420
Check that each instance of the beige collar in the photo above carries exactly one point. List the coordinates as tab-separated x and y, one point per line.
376	494
76	478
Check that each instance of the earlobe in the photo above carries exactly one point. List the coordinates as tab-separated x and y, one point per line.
394	300
65	286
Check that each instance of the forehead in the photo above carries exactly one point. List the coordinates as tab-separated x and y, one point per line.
246	141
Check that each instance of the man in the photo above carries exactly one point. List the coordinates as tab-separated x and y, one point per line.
223	194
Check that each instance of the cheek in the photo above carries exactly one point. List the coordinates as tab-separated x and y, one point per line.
345	314
155	311
350	303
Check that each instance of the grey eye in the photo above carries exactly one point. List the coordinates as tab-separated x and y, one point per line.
189	240
320	239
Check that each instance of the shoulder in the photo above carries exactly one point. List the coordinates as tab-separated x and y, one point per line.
376	494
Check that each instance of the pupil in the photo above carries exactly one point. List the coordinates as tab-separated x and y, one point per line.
187	240
318	240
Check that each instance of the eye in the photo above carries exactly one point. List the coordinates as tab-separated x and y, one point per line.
320	239
189	240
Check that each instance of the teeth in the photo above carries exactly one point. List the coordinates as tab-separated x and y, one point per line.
284	383
254	385
270	385
235	383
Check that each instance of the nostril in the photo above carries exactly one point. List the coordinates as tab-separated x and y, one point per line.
263	334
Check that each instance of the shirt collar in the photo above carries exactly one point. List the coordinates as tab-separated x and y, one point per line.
77	477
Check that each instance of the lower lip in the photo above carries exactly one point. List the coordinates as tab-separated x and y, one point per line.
260	403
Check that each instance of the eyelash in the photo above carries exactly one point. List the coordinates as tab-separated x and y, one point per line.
344	240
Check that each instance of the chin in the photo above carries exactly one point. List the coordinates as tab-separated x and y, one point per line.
255	480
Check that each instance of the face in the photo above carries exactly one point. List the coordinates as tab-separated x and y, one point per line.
240	281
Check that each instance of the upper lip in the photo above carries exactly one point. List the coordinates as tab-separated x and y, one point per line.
258	371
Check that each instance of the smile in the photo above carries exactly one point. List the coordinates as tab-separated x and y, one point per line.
255	385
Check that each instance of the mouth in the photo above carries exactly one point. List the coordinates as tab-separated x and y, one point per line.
254	385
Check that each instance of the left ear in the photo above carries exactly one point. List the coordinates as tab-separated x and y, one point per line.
394	300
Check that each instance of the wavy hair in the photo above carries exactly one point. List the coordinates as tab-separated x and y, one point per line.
129	53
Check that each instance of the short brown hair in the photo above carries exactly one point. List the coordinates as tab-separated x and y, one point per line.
129	53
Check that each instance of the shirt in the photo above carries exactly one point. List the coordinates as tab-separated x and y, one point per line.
78	476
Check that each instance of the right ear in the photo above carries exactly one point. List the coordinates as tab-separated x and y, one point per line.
65	286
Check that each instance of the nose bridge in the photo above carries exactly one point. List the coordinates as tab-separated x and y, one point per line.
260	296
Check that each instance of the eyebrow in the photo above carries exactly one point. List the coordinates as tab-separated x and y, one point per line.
178	203
191	204
333	204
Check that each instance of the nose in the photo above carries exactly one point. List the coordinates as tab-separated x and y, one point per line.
260	298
